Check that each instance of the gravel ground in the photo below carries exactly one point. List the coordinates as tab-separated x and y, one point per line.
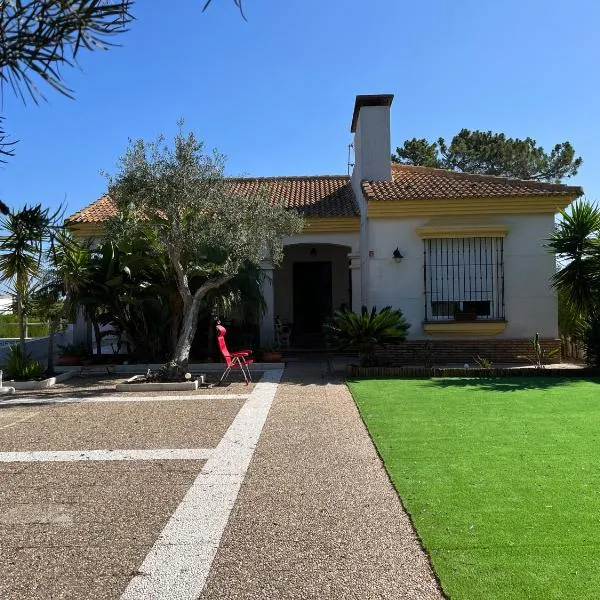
317	516
81	530
115	425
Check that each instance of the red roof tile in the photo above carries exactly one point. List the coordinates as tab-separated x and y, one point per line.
319	196
414	183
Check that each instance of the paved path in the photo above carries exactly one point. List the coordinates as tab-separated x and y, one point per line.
316	516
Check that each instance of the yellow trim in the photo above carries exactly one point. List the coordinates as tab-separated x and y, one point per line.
331	224
463	328
86	230
462	231
311	225
468	206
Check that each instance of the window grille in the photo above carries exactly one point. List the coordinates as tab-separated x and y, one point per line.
464	276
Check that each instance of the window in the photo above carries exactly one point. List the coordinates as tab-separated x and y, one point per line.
464	278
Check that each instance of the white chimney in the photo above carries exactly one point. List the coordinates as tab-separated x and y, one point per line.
372	146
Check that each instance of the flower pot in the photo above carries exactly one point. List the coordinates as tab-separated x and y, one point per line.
69	361
271	357
465	316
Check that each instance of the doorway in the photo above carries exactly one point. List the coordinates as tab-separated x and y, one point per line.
312	299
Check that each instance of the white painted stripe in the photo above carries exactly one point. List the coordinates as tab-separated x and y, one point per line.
25	418
84	455
25	400
178	564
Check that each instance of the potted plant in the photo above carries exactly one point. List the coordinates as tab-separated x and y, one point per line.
72	354
268	354
465	316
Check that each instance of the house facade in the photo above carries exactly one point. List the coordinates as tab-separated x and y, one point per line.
461	255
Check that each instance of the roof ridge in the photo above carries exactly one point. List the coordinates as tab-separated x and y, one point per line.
485	177
283	177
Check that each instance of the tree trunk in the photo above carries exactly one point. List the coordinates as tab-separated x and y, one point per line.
21	319
97	337
177	366
50	364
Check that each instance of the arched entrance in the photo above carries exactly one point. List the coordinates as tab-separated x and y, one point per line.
312	282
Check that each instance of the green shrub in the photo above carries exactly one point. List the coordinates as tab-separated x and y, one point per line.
11	330
367	331
590	336
73	350
22	367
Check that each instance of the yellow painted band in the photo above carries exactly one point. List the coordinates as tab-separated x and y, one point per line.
331	224
458	231
467	206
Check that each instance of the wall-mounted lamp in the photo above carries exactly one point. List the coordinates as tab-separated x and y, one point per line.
397	255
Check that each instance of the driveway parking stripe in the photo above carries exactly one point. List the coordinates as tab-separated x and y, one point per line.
26	418
24	401
178	564
86	455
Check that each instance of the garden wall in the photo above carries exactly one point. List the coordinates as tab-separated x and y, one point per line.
447	351
38	348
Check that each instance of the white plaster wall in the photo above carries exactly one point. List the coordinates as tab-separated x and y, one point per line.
372	151
283	276
399	285
530	302
372	144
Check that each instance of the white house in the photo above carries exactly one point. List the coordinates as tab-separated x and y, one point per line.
461	255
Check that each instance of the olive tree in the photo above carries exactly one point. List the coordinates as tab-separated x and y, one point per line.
179	196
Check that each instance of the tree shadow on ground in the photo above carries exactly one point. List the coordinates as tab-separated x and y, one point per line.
508	384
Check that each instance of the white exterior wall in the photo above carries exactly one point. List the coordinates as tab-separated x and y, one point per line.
399	285
530	302
371	162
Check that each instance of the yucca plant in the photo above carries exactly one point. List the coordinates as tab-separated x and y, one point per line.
22	367
365	332
539	355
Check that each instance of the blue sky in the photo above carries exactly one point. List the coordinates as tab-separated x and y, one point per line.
275	94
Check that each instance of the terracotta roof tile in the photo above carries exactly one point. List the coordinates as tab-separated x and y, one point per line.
96	212
332	195
319	196
414	183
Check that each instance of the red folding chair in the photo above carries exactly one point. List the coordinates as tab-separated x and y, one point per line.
233	360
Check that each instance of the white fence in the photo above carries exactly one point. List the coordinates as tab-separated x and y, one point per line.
38	347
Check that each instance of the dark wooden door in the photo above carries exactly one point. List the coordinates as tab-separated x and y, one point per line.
312	298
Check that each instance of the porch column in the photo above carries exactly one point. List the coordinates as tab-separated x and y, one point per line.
354	265
267	322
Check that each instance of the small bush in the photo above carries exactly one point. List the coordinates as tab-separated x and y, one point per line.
367	331
11	330
79	350
22	367
590	336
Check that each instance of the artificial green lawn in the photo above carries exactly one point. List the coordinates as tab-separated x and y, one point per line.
501	478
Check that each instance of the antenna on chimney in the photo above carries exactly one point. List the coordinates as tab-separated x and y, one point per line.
350	164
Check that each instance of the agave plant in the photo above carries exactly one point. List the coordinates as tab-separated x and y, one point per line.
367	331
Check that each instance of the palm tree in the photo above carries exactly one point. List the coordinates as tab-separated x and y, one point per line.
48	303
21	252
576	243
367	331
